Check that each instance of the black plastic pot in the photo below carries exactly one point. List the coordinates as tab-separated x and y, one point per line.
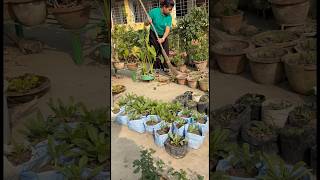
174	151
268	144
192	105
203	106
235	124
255	107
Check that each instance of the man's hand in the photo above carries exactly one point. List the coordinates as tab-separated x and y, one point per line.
161	40
150	20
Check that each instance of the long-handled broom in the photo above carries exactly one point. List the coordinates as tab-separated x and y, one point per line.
166	58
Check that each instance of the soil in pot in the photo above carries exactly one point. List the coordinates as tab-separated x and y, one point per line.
294	144
275	112
194	130
231	117
20	154
29	12
260	136
290	12
176	146
301	71
309	44
163	130
300	116
152	122
278	38
74	17
230	55
254	102
232	21
266	66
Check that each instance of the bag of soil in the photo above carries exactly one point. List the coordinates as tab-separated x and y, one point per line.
152	122
161	137
195	140
137	125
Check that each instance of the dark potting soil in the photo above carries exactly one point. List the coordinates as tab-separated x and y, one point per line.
24	157
240	172
202	120
163	131
180	125
152	122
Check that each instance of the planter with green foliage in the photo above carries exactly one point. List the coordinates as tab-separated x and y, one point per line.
231	17
179	126
161	134
194	135
202	120
260	136
301	116
254	102
203	104
176	146
152	122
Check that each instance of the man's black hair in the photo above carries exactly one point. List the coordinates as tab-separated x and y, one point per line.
167	3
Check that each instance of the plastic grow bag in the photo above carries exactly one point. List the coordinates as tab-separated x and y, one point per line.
189	120
223	165
205	127
137	125
122	119
194	141
48	175
150	129
179	131
160	139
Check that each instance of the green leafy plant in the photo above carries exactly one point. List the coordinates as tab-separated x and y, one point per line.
251	99
178	59
199	117
148	56
177	140
199	50
260	130
164	129
23	83
20	153
220	146
180	122
65	112
152	121
57	150
278	170
186	113
194	129
300	116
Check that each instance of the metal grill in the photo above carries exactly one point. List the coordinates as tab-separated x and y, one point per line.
139	14
118	13
184	6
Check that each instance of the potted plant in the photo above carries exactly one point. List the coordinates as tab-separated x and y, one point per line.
199	52
203	104
179	61
231	117
265	64
309	44
277	38
132	63
136	122
301	116
186	114
294	143
202	120
277	169
275	112
192	81
290	12
301	71
71	14
254	102
230	55
176	146
204	84
241	163
29	12
179	126
181	78
192	105
161	134
152	122
20	155
260	136
194	135
231	17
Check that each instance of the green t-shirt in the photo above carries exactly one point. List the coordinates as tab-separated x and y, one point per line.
160	21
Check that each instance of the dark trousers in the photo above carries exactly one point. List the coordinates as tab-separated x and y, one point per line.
154	42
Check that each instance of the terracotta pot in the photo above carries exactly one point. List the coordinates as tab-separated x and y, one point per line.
302	78
192	83
29	12
132	66
183	68
290	12
201	65
232	24
267	70
230	55
118	65
73	17
204	85
263	39
181	79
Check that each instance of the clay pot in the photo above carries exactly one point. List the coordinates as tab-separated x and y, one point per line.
290	12
74	17
230	55
182	68
29	12
267	70
232	24
192	83
181	79
201	65
118	65
204	84
132	66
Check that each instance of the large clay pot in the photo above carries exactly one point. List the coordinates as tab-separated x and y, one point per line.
201	65
271	38
182	79
290	11
266	66
302	78
29	12
230	55
118	65
232	24
204	84
192	83
132	66
74	17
